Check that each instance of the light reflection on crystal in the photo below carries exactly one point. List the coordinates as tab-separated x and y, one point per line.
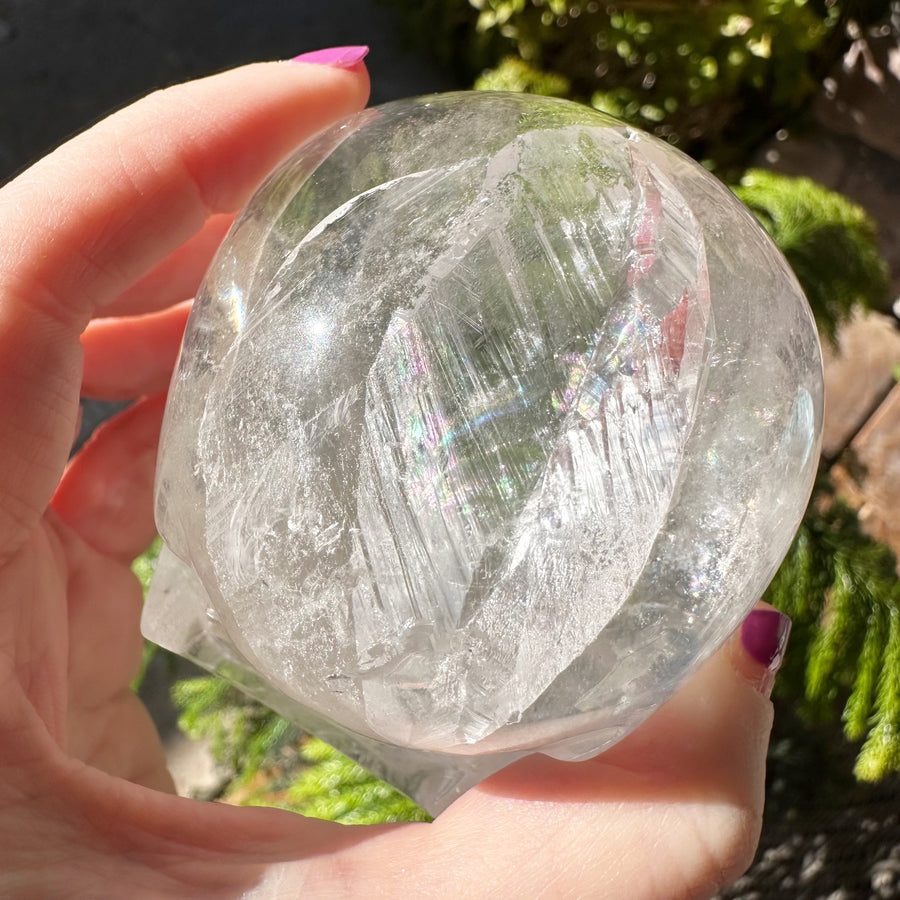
317	331
235	303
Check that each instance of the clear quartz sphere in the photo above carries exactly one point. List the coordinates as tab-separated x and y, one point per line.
493	418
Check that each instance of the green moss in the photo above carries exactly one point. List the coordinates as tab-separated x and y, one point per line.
829	241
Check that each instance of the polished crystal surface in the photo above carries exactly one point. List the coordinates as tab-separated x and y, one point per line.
493	418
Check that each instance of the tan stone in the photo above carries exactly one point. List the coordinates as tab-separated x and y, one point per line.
868	475
858	375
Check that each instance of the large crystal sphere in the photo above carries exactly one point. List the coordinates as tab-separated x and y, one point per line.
493	418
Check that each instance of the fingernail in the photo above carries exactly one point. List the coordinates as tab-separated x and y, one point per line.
764	635
339	57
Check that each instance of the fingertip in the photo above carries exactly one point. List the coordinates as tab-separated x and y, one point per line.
344	66
106	493
763	639
132	356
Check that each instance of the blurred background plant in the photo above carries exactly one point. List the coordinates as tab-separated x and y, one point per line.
717	79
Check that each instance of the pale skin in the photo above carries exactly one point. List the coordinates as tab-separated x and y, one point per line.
101	242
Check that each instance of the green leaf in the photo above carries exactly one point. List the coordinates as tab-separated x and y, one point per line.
880	755
841	589
514	74
338	789
145	564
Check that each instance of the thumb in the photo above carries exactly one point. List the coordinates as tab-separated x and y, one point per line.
672	811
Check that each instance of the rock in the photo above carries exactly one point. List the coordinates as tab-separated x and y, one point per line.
860	96
858	375
854	145
868	474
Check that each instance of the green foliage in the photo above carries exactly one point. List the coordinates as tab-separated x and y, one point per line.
336	788
244	735
270	762
841	590
143	568
715	77
830	243
514	74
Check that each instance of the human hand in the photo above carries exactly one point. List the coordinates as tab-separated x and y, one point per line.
100	242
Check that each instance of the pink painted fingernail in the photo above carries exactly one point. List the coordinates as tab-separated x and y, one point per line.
764	636
339	57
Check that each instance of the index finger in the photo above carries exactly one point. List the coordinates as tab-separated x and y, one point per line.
91	219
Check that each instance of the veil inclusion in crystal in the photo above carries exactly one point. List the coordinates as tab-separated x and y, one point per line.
493	418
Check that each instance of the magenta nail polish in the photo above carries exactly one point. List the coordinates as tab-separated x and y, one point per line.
764	635
339	57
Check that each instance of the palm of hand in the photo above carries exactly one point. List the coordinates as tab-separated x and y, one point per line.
670	812
69	646
79	611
